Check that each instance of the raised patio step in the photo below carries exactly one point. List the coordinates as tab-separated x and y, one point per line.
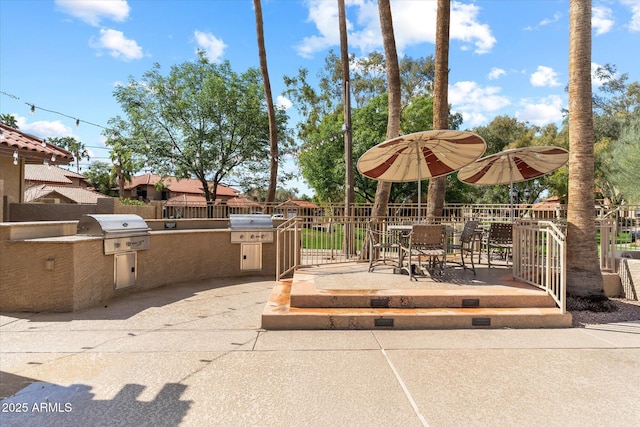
279	314
479	297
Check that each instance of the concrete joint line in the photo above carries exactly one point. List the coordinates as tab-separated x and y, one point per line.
600	338
413	403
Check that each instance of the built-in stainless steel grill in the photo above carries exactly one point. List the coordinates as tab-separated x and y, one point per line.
253	228
121	232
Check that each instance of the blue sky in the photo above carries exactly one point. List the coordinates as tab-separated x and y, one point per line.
506	57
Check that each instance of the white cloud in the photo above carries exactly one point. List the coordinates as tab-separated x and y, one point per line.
117	45
542	112
44	129
283	102
324	15
413	22
545	76
474	101
496	73
601	19
595	81
92	11
634	22
548	21
465	27
212	46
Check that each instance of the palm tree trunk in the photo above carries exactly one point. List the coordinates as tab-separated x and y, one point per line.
273	126
584	277
437	186
393	82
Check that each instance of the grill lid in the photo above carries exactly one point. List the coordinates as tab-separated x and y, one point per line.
250	222
112	225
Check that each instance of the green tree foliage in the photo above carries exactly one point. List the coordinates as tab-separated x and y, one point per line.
77	148
99	175
616	110
321	155
627	154
9	120
201	121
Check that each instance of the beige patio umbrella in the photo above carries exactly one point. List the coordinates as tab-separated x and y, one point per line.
421	155
514	165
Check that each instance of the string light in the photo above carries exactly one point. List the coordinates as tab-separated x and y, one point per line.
1	135
32	110
53	157
15	157
44	143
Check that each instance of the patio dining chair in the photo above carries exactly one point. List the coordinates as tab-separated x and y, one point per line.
467	243
500	238
426	241
382	245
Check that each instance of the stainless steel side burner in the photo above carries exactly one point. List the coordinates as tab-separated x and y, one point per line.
251	231
121	232
253	228
123	235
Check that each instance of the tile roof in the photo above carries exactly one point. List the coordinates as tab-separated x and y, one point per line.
299	204
52	174
78	195
30	147
193	200
186	185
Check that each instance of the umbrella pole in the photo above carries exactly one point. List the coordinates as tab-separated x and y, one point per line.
511	192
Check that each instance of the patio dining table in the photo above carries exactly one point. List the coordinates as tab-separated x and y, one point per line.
402	234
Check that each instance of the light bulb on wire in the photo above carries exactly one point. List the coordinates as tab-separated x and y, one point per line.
32	110
15	157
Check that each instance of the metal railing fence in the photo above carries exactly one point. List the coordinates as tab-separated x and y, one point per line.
539	258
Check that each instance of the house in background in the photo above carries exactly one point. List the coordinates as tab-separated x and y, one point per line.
153	187
16	150
45	193
52	175
294	207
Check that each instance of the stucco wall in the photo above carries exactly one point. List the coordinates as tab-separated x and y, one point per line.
24	212
61	271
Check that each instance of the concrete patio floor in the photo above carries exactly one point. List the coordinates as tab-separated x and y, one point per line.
193	354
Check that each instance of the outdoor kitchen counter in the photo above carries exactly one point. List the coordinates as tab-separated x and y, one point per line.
70	272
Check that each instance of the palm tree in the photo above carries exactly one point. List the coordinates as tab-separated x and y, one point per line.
9	120
77	148
437	186
349	193
273	127
584	277
393	82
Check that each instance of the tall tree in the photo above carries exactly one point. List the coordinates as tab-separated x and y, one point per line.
77	148
99	175
201	121
437	186
349	191
383	189
273	124
584	277
9	120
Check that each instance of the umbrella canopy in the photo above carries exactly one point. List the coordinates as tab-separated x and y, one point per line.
514	165
421	155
